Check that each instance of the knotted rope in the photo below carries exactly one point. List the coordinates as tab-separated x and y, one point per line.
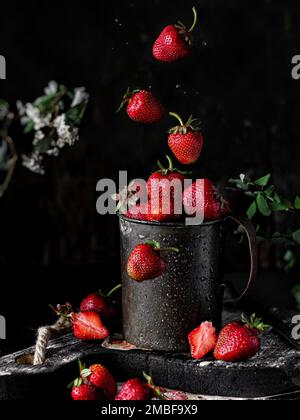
44	335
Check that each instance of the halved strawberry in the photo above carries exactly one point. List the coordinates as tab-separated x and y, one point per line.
203	340
88	327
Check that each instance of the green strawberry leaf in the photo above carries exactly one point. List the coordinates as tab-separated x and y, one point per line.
263	205
85	373
264	181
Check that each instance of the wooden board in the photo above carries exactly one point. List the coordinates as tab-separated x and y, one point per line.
276	370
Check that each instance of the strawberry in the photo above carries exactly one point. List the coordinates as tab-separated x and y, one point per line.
85	392
174	43
160	211
159	182
99	377
202	197
238	342
134	390
143	106
95	382
88	326
101	304
203	340
146	262
138	212
186	140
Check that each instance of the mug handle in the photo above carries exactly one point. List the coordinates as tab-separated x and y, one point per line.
250	230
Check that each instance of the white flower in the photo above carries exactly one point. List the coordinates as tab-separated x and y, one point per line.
80	96
66	134
52	88
34	163
30	113
39	135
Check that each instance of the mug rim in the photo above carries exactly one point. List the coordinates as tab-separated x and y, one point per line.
169	224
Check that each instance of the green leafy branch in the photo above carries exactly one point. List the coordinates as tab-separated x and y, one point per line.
265	199
52	121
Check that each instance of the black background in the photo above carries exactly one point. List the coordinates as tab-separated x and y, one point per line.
53	244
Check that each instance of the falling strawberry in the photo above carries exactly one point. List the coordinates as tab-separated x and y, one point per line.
203	340
203	198
101	304
238	342
143	106
186	140
87	326
85	392
146	262
175	42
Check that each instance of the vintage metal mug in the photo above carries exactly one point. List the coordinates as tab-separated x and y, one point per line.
159	314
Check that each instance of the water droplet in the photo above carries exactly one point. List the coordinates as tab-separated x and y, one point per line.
203	279
178	86
204	44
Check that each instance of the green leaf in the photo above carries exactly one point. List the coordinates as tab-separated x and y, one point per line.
263	205
85	373
290	259
263	182
74	115
252	211
296	236
29	127
297	203
43	145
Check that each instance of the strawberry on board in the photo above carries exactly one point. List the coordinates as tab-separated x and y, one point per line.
94	383
146	262
238	342
143	106
86	392
175	42
134	390
203	340
87	326
186	140
203	197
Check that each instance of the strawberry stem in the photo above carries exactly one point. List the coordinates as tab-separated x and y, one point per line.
154	388
195	20
126	98
174	250
255	323
114	290
155	245
173	114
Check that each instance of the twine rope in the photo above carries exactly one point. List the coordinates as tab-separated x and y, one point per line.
45	334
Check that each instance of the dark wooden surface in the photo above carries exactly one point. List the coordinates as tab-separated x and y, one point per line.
276	370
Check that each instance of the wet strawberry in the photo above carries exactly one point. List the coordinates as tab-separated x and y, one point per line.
143	107
175	41
186	140
203	340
